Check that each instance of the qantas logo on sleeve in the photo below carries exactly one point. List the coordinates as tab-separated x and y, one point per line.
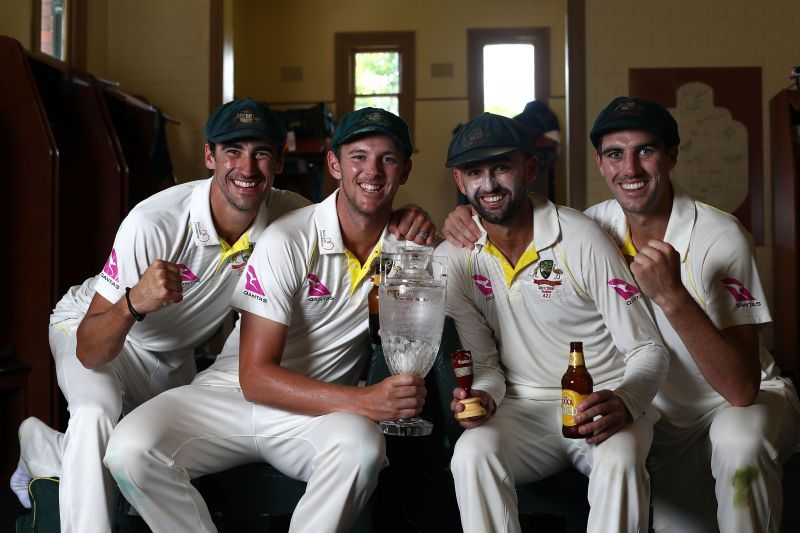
629	293
484	285
252	287
110	271
110	268
740	293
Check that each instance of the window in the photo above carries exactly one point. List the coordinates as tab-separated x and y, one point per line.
376	79
56	25
507	68
509	78
376	70
53	29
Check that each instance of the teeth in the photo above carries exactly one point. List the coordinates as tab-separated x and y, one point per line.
245	184
632	186
370	187
495	198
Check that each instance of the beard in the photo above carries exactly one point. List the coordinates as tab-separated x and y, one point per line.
500	217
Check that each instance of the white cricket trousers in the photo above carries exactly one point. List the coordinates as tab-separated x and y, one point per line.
735	467
200	429
522	443
95	399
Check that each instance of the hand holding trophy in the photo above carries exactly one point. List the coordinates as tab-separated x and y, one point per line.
462	368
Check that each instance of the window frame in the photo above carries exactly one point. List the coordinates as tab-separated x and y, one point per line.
74	29
478	38
347	44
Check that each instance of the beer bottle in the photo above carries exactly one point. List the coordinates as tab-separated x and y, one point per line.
372	301
575	386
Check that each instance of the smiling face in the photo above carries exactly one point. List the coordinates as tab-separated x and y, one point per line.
498	187
636	165
243	172
370	170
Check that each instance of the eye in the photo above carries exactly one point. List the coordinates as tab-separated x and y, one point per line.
614	155
232	152
647	151
263	154
390	159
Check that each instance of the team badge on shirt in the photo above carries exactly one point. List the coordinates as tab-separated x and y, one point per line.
252	286
317	291
740	293
238	261
547	277
110	271
626	291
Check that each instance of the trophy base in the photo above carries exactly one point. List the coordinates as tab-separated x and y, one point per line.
407	427
472	409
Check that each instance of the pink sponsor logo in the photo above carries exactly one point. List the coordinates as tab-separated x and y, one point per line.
252	283
316	287
110	268
738	290
623	288
484	284
186	274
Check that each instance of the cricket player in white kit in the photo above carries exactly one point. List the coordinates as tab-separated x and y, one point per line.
539	277
729	420
286	393
129	333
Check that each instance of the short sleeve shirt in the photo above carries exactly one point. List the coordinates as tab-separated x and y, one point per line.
571	284
302	276
719	271
176	225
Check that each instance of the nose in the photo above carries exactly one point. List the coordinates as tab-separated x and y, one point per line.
373	167
247	165
630	163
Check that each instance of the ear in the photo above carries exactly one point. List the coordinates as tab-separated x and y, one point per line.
406	171
598	159
209	158
672	153
459	181
333	165
279	161
531	169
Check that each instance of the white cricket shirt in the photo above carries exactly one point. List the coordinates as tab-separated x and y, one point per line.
571	284
176	225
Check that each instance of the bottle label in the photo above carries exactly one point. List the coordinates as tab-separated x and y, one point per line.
576	359
569	406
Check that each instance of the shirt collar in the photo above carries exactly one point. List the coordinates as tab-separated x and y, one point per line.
330	241
204	233
681	221
546	231
679	228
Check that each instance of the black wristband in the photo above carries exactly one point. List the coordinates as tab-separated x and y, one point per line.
138	316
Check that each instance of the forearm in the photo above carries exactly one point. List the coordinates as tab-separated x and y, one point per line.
730	365
278	387
100	337
645	370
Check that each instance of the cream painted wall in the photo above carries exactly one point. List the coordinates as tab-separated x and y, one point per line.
159	50
624	34
273	35
15	20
